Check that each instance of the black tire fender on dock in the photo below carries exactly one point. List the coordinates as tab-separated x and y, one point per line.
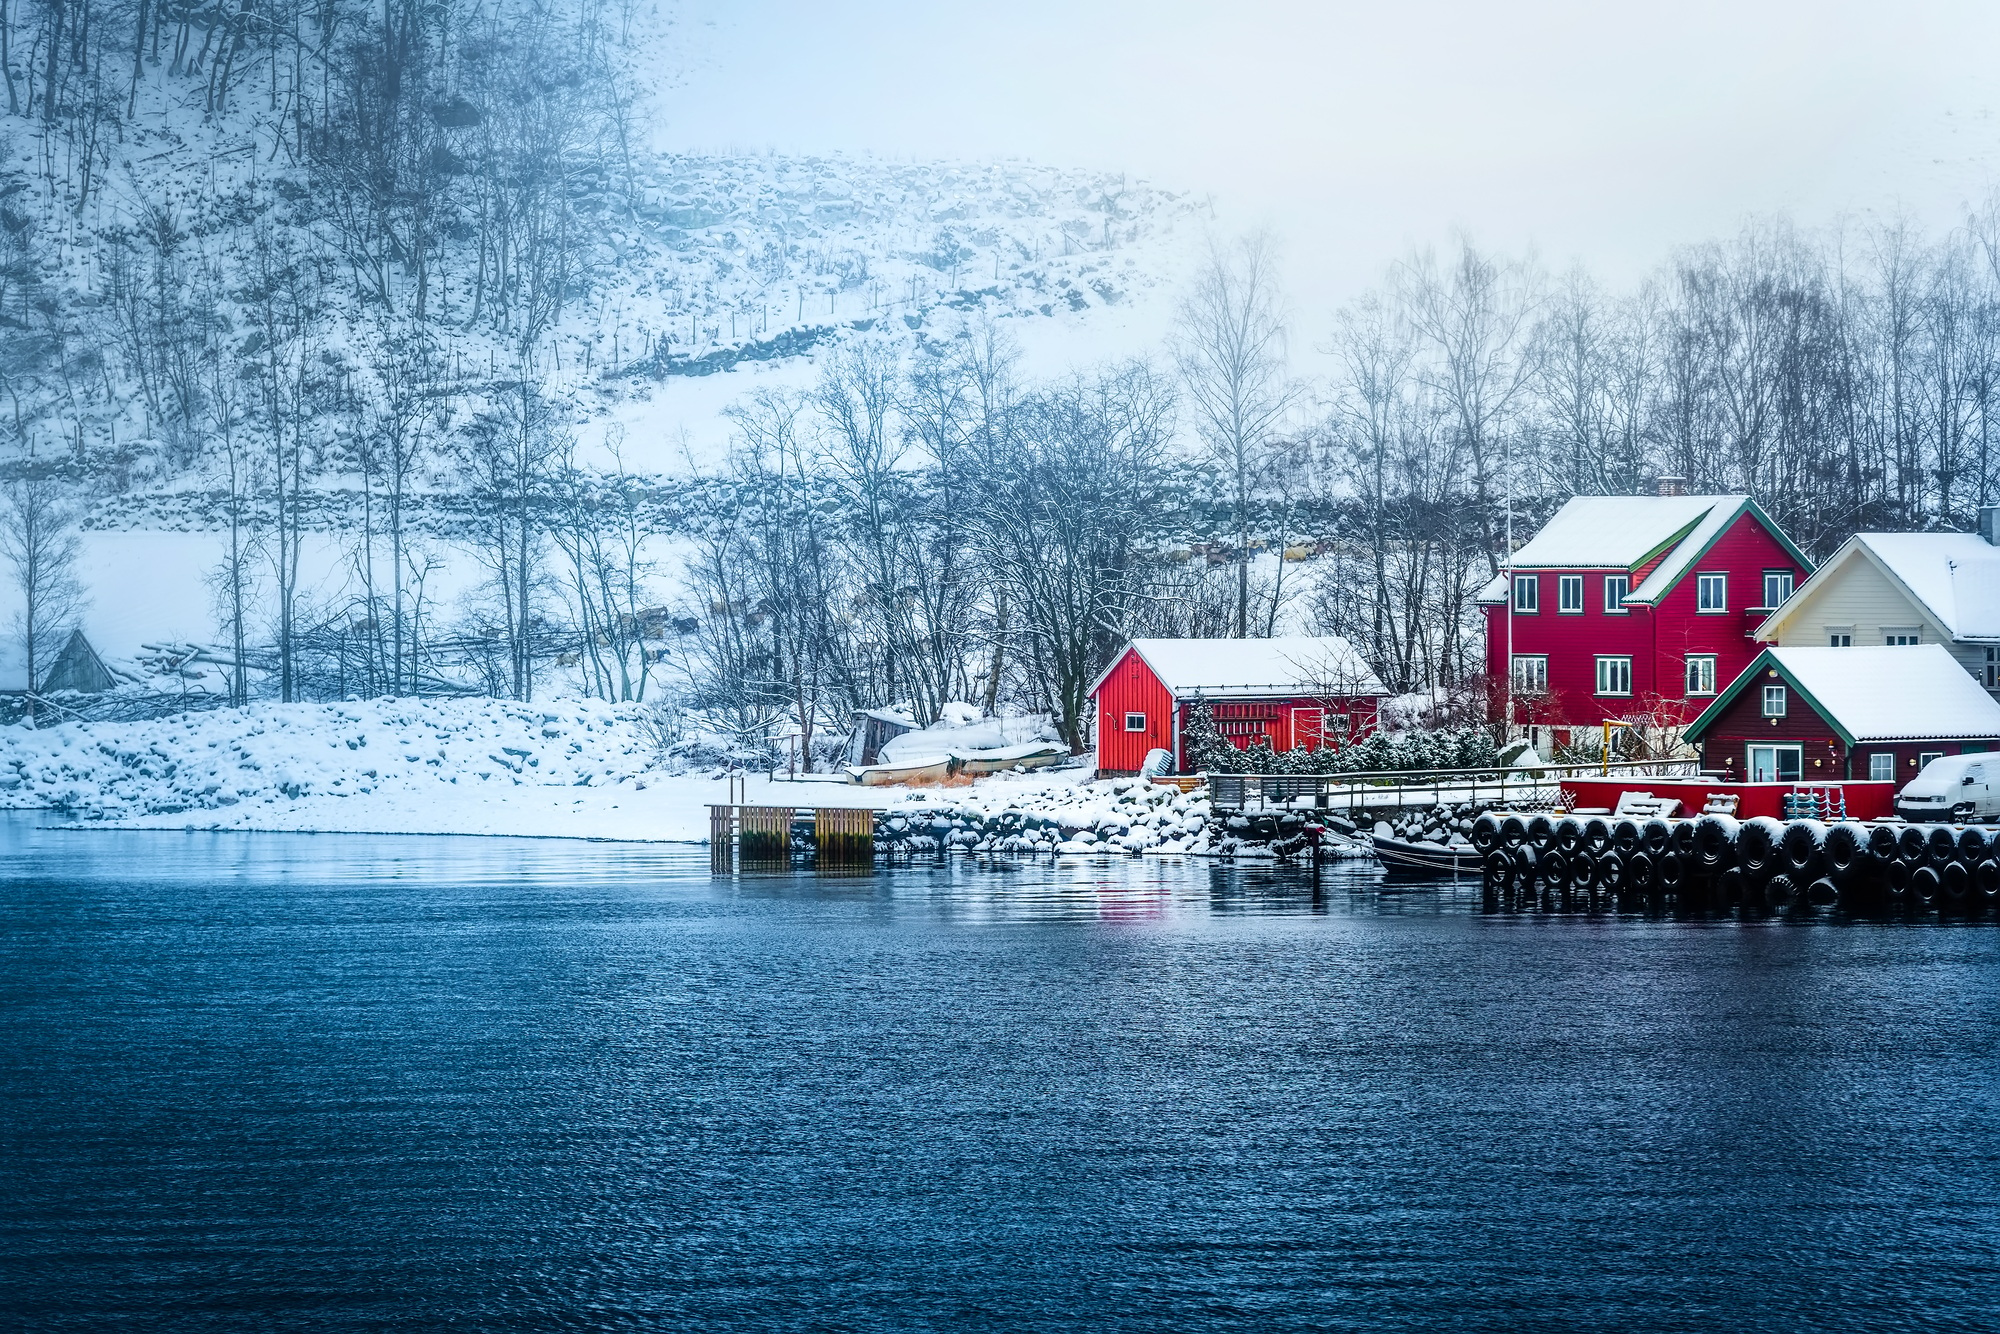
1955	883
1882	841
1924	884
1823	893
1757	844
1607	871
1597	834
1625	836
1513	832
1986	879
1715	839
1845	845
1781	891
1569	836
1486	833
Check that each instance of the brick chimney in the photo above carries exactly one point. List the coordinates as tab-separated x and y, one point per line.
1673	486
1989	524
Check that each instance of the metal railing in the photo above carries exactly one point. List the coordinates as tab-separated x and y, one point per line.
1356	791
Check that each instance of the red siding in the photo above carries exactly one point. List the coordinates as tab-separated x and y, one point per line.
1723	744
1132	688
1658	639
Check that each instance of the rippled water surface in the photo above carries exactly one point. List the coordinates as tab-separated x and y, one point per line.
293	1082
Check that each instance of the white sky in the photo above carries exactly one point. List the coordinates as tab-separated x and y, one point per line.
1589	131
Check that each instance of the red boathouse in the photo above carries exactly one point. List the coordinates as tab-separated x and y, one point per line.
1633	607
1817	715
1298	691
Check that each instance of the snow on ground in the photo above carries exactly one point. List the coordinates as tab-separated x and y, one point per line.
569	769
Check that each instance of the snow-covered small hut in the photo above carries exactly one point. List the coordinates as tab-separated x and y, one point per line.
78	668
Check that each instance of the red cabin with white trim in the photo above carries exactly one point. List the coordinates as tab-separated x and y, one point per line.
1299	691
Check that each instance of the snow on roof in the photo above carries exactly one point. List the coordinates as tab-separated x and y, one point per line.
1286	665
1955	575
1624	532
1912	692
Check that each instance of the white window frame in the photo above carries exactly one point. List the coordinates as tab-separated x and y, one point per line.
1924	758
1540	682
1567	584
1719	603
1896	636
1616	588
1776	695
1531	585
1141	720
1619	665
1788	581
1882	767
1699	683
1777	770
1839	638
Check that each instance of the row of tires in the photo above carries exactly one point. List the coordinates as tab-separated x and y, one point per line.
1761	861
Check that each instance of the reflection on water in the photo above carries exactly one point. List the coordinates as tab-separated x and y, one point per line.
256	1082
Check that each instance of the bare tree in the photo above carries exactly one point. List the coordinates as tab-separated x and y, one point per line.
38	538
1229	344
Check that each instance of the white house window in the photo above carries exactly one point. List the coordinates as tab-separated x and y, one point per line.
1840	639
1614	676
1711	592
1701	674
1135	722
1991	677
1774	701
1569	593
1895	638
1616	586
1924	758
1531	673
1881	768
1527	593
1777	586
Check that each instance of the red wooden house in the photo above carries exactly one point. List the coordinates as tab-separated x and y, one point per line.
1301	691
1633	606
1820	715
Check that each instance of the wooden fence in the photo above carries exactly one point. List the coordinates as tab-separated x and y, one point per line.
760	837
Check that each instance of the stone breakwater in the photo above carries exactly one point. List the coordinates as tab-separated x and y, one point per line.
1125	817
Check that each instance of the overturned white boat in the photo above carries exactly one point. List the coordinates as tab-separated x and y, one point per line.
914	772
998	759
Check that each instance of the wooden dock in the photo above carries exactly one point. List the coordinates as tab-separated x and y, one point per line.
760	838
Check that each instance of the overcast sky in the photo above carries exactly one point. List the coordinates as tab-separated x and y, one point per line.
1360	130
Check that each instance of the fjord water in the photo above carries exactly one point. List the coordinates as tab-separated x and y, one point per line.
293	1082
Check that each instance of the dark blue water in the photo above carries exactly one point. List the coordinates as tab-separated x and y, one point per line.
354	1083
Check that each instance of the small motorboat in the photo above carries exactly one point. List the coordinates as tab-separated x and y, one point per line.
1407	860
1028	755
927	769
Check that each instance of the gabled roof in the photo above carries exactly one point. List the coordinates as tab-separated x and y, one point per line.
1915	692
1628	532
1953	577
1254	668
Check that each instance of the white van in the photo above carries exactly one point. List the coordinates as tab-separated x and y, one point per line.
1957	788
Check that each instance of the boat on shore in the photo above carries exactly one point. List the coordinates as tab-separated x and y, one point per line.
1404	859
1028	755
929	769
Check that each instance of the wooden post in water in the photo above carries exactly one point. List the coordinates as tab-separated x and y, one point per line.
721	839
845	835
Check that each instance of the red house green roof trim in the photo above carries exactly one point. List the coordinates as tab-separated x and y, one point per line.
1753	675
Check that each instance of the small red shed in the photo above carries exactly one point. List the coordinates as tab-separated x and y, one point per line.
1300	691
1806	715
